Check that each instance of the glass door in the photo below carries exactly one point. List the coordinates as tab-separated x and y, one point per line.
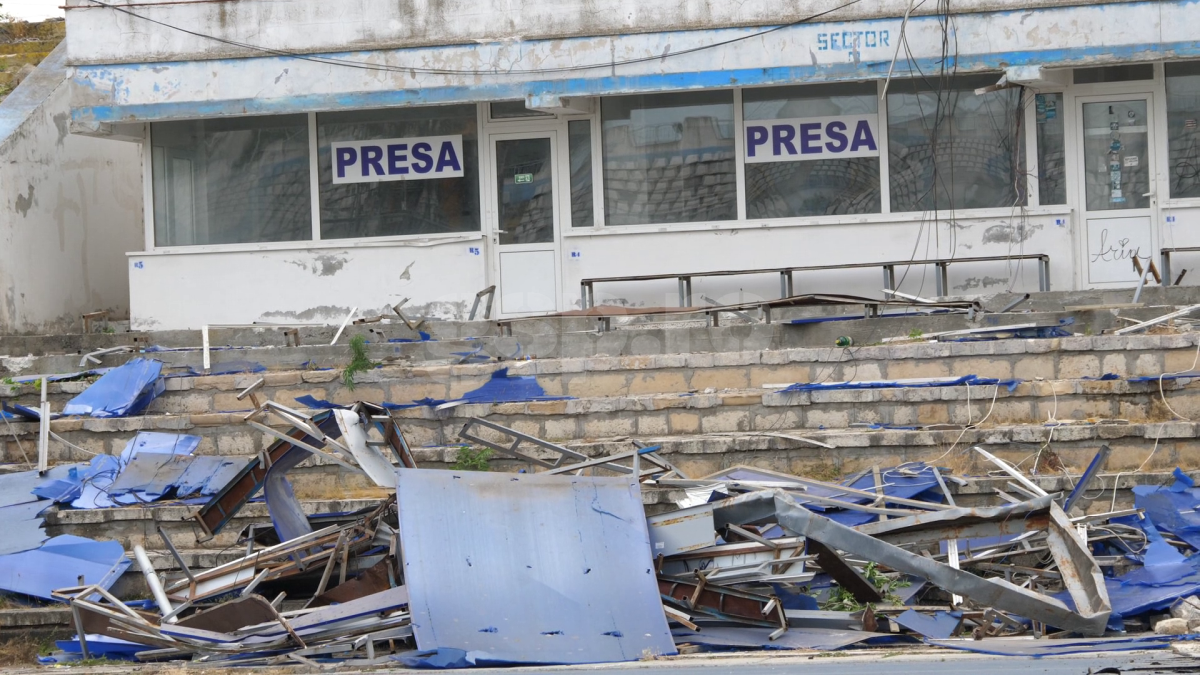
1118	186
526	224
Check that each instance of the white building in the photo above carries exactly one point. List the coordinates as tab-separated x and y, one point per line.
307	157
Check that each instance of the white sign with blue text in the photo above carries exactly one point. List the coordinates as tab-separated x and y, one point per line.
838	137
397	159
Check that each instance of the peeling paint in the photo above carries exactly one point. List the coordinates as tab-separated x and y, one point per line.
319	314
328	265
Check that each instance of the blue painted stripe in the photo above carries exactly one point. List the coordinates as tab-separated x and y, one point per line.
613	85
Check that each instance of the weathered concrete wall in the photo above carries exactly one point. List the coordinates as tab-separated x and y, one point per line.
101	35
70	209
617	62
322	285
304	285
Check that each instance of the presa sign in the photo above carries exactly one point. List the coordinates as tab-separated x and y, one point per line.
397	159
840	137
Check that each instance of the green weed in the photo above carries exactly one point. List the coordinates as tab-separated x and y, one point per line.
470	459
360	361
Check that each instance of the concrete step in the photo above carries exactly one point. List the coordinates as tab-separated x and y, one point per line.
677	414
606	376
562	337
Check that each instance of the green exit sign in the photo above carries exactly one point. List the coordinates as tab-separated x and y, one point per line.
523	178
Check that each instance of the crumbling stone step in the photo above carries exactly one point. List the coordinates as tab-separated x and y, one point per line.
673	414
1051	359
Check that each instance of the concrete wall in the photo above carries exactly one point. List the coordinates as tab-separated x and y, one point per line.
304	285
541	70
322	284
101	35
71	207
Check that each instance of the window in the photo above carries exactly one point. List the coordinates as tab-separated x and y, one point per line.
231	181
950	148
836	168
507	110
579	138
1052	174
1130	73
1183	128
669	158
399	171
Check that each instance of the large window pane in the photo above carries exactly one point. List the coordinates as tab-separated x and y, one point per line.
401	201
580	140
231	181
525	191
950	148
668	158
1052	172
1183	128
1129	73
1116	144
824	184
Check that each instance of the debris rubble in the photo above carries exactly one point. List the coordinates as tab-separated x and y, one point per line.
560	564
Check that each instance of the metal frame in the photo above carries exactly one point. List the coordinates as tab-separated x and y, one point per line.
787	281
1081	574
583	462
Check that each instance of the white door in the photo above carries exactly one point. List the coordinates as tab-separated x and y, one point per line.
526	226
1118	189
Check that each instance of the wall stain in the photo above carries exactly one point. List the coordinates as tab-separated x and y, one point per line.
1009	234
328	265
60	125
313	315
977	282
25	203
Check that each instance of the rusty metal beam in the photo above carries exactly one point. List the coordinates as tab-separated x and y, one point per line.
225	504
843	573
718	601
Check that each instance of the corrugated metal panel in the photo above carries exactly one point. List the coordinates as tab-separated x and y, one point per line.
530	568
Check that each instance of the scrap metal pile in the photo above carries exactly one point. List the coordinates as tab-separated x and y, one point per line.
463	568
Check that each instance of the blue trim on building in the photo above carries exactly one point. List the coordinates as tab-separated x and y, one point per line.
109	78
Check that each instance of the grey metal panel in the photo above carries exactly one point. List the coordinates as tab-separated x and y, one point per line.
682	531
150	472
208	470
530	568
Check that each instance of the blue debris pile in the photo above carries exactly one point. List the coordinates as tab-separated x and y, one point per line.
760	559
750	559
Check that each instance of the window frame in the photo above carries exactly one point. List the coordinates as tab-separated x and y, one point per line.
316	242
485	125
881	139
1163	142
150	235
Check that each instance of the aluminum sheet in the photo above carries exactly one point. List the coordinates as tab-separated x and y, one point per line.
151	473
62	562
530	568
23	526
